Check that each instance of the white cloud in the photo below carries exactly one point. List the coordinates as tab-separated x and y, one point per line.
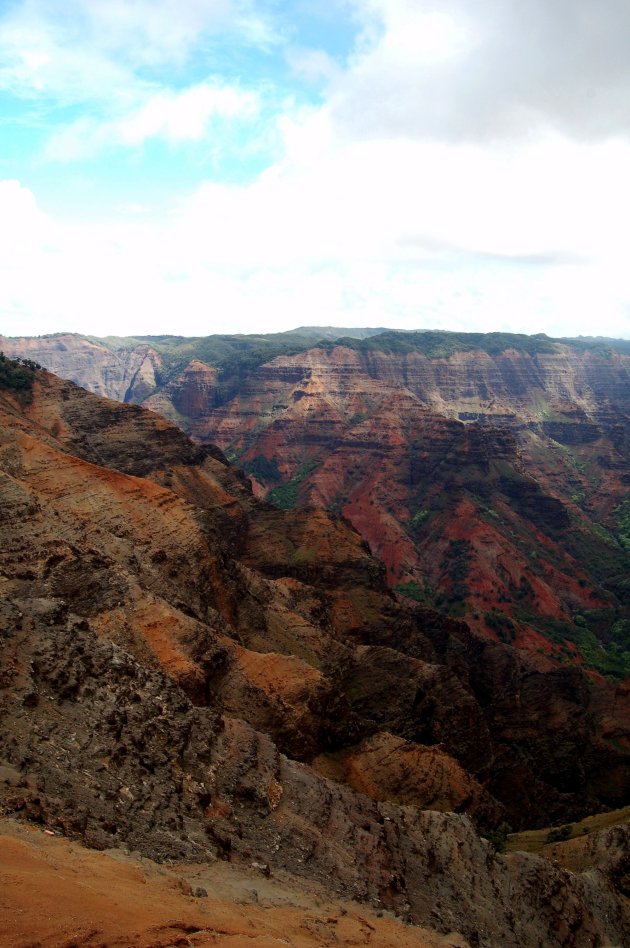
75	51
487	69
36	61
312	65
457	174
364	235
22	221
172	116
166	31
329	201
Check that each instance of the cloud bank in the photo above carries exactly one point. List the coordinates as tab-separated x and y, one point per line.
458	164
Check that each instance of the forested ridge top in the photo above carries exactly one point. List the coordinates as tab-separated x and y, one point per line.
220	348
441	344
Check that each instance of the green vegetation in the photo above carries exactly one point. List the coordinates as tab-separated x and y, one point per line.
419	518
622	520
560	834
265	470
501	624
571	458
620	633
432	343
413	590
543	410
285	495
532	841
603	346
303	555
498	837
605	559
16	376
217	346
236	356
440	345
484	509
610	658
456	564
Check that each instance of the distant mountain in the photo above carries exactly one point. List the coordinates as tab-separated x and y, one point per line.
130	368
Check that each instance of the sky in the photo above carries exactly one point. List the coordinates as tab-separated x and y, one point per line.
209	166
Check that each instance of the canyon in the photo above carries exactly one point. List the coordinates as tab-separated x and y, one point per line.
195	675
489	473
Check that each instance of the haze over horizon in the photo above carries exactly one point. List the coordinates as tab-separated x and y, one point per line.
254	165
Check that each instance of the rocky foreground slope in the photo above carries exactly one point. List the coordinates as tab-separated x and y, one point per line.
56	892
196	675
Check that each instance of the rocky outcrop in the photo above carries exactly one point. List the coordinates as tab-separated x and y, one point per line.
56	891
283	617
386	767
116	755
498	518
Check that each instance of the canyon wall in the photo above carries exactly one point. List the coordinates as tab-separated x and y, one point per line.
489	473
194	674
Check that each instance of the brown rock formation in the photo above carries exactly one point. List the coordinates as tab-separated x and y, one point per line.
284	617
55	892
385	767
498	519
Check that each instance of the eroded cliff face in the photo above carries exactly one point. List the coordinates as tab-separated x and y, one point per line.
176	655
126	374
188	396
492	484
498	519
476	385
